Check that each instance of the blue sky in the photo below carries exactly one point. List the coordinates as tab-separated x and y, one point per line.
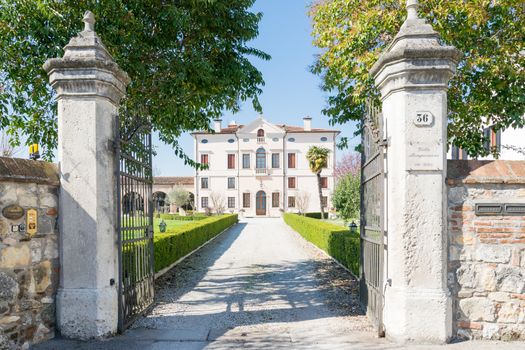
291	91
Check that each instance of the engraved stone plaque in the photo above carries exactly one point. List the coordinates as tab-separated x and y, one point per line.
13	212
424	156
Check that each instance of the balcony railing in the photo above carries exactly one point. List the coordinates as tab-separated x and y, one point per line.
261	139
261	171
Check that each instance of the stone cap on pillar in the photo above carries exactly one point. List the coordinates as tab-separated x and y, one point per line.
415	49
87	69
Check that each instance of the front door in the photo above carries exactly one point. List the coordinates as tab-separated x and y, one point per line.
260	203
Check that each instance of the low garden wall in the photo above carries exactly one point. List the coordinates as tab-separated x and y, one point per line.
29	266
336	241
178	242
486	263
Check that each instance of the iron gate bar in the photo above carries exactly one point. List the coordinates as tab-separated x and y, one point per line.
372	221
134	221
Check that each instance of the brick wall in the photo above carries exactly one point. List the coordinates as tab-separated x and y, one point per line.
486	253
28	263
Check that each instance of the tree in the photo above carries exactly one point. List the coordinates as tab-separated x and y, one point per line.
179	196
346	196
7	149
188	61
487	88
217	200
350	163
317	161
302	200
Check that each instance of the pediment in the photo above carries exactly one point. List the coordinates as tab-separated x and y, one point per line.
260	123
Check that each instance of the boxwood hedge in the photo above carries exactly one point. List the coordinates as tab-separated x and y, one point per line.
315	215
179	241
335	240
183	218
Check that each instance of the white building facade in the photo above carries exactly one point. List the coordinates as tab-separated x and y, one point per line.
509	142
260	169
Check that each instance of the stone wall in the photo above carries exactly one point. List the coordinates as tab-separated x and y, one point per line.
486	253
28	263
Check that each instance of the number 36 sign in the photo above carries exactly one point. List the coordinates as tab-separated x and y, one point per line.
423	119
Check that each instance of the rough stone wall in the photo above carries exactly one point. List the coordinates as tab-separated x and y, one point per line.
486	253
28	264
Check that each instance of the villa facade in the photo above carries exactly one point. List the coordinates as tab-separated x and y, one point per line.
260	169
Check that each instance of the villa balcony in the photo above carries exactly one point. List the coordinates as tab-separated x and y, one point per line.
261	139
262	172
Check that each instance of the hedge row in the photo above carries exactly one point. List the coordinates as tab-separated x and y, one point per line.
179	241
335	240
183	218
316	215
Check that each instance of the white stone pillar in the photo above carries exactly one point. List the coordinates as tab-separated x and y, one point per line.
89	86
412	77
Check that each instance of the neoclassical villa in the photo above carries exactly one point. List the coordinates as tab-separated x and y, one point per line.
260	169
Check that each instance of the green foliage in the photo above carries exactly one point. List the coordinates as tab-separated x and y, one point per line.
180	241
335	240
188	61
195	217
317	158
488	86
346	196
179	196
315	215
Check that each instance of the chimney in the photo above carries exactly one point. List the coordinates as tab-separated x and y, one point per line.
307	123
217	125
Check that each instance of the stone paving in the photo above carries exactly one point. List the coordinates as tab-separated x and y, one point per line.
257	286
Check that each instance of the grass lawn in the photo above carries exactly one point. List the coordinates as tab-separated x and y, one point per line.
340	222
169	223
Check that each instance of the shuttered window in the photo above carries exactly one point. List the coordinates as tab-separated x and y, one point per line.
231	161
245	200
291	182
291	160
275	199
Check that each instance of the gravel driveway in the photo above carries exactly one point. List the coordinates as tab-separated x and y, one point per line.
259	285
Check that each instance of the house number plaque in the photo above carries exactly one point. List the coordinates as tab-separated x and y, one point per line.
423	119
32	221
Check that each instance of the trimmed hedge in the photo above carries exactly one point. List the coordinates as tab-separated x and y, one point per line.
183	218
335	240
178	242
316	215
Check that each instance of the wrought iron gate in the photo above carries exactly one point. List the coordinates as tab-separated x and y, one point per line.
372	224
135	218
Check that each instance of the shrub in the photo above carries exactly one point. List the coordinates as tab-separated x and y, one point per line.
182	218
179	241
335	240
316	215
346	197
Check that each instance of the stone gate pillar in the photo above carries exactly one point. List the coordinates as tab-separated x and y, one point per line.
89	86
412	77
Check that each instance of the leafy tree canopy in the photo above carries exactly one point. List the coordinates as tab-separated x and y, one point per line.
490	80
346	196
188	60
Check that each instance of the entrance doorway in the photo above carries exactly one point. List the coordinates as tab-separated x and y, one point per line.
260	203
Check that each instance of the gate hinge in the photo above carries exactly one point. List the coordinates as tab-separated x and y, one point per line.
383	143
113	145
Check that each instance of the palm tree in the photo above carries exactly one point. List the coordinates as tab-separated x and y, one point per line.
318	160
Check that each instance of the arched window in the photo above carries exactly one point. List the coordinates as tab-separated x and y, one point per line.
260	133
260	159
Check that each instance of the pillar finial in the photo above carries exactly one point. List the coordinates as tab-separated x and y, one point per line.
89	21
412	7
